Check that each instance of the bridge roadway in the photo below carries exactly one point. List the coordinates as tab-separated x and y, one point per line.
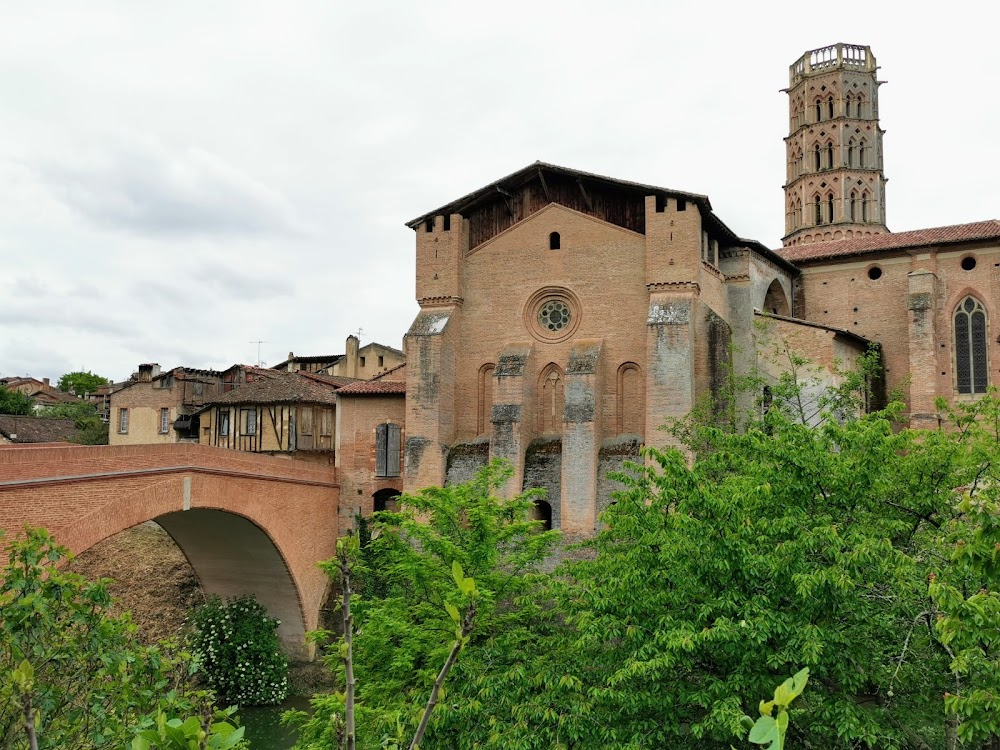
248	523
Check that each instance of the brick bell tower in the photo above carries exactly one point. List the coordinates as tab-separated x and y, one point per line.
835	186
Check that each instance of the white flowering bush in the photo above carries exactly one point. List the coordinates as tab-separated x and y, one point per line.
237	645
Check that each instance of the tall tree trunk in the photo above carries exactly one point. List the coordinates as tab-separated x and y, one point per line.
29	721
470	616
951	733
345	570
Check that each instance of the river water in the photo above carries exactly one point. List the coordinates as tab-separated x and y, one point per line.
264	728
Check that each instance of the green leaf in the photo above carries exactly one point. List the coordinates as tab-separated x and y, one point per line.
453	611
458	574
766	732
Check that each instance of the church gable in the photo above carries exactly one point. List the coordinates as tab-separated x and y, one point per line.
557	228
497	207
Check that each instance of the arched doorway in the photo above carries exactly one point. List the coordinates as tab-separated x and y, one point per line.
542	511
385	499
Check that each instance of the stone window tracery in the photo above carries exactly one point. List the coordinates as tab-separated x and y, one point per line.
971	360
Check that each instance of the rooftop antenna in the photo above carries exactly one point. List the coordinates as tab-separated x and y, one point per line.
360	331
258	343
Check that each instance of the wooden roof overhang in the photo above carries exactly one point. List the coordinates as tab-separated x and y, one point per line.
502	203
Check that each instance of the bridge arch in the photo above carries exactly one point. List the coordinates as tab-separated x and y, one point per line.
247	524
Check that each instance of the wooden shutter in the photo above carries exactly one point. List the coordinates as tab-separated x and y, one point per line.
392	451
381	441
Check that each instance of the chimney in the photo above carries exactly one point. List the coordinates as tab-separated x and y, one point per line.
291	363
352	345
45	382
147	372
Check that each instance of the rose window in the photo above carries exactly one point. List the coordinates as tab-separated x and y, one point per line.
554	316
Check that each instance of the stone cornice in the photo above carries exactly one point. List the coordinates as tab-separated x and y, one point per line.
674	286
441	301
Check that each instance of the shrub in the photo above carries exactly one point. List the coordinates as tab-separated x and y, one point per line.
237	644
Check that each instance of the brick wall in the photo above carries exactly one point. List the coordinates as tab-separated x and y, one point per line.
84	494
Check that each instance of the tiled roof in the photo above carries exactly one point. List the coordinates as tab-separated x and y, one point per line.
36	429
396	373
338	381
318	359
373	388
390	382
280	388
979	230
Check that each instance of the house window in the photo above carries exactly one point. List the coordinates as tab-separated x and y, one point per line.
249	421
971	369
123	421
223	423
164	421
381	361
554	241
362	361
387	450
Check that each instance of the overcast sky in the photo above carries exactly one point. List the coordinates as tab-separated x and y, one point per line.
178	180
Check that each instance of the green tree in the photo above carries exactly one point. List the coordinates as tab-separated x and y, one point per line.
408	631
91	430
81	382
15	402
777	547
73	676
966	592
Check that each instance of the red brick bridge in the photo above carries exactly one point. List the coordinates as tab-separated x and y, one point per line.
247	523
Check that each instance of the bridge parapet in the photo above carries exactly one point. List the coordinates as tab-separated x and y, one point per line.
77	461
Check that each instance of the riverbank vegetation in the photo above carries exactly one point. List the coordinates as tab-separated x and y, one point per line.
865	553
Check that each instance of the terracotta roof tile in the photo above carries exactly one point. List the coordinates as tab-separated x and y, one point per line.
338	381
374	388
396	373
36	429
281	388
980	230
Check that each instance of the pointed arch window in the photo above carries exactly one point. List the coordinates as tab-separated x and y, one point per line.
630	417
829	107
829	155
829	208
550	399
485	398
854	206
850	153
971	367
847	105
864	206
818	210
818	158
819	110
862	154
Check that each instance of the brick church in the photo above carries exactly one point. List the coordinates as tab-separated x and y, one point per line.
565	315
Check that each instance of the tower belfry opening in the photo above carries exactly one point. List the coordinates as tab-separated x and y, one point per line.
834	146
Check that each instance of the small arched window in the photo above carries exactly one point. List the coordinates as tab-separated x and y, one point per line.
818	154
829	155
818	214
854	206
829	107
554	241
862	154
829	208
819	110
864	206
847	105
971	368
850	153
